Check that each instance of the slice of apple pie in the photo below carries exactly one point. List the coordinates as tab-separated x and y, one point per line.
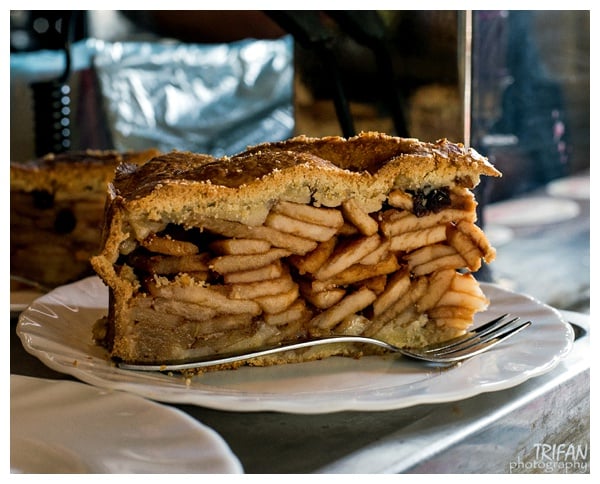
374	235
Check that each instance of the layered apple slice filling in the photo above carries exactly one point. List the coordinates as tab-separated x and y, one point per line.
222	286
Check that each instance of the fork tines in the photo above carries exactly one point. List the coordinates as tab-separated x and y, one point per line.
481	337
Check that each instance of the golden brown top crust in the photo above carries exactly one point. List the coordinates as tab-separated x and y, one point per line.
184	188
183	168
407	162
74	170
369	151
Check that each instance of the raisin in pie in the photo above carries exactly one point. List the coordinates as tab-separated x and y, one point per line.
374	235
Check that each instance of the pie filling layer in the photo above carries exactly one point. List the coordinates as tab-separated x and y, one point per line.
224	286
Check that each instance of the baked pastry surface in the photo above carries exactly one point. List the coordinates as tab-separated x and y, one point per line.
372	235
57	212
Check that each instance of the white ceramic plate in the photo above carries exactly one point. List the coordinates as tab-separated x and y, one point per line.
525	212
69	427
57	329
577	187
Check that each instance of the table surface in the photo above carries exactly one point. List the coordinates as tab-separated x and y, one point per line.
501	432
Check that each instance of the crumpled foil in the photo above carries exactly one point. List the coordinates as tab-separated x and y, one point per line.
206	98
214	99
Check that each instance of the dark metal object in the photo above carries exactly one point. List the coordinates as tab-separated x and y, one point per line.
52	98
366	28
308	30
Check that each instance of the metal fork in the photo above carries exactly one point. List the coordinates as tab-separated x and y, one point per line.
448	352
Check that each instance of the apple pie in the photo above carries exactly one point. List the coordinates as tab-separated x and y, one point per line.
57	212
373	235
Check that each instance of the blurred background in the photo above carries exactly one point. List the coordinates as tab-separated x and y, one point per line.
515	85
215	81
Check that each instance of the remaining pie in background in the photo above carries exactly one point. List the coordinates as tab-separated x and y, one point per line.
57	212
374	235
